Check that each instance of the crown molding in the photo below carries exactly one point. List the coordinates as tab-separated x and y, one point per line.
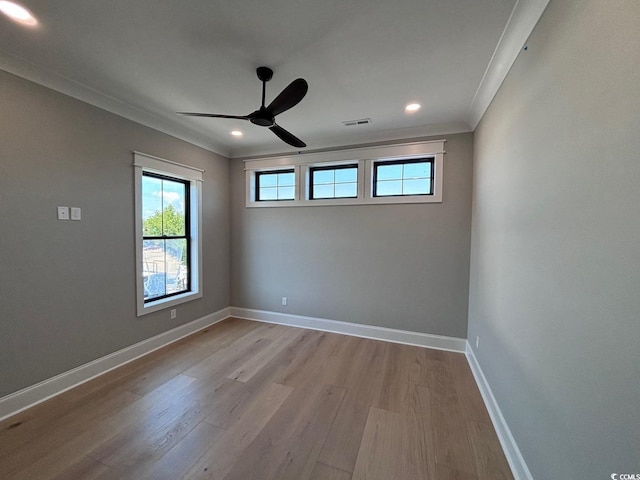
51	79
523	19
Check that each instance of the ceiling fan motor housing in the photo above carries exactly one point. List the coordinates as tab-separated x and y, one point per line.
262	117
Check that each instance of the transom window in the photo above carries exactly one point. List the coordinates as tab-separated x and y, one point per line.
403	177
333	182
375	175
165	240
275	185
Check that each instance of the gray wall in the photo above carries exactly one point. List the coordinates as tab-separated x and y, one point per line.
67	289
555	269
397	266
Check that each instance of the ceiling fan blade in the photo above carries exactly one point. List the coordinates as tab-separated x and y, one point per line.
287	137
289	97
213	115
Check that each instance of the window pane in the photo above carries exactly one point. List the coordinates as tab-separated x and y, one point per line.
151	206
387	188
323	176
417	170
163	206
323	191
176	265
268	179
344	190
346	175
173	207
270	193
416	187
286	179
389	172
153	268
285	193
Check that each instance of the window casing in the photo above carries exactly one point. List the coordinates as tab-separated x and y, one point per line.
368	162
168	199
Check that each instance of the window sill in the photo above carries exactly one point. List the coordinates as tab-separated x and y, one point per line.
349	201
167	302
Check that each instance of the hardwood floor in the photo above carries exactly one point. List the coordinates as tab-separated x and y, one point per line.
243	400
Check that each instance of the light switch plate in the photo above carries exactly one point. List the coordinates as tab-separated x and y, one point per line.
76	213
63	213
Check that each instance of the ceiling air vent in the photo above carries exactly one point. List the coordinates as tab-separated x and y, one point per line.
356	123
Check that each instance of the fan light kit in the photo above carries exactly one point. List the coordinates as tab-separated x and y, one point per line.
265	116
17	13
412	107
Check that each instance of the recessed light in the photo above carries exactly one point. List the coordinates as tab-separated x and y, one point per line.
17	13
236	133
412	107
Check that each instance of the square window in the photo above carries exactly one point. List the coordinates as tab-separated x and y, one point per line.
403	177
275	185
339	181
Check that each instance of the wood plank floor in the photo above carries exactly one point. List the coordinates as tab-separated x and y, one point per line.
242	400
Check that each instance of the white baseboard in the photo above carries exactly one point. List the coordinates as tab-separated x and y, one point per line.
511	451
418	339
30	396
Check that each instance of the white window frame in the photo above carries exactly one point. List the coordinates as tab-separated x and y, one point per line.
364	158
148	163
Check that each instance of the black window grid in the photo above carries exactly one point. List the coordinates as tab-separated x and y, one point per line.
312	171
260	175
429	160
163	238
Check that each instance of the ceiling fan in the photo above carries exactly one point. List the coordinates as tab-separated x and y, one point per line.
265	116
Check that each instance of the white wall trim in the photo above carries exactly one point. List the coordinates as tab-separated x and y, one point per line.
30	396
452	344
523	19
509	446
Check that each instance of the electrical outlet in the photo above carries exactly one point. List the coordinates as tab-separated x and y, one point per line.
284	301
173	313
477	342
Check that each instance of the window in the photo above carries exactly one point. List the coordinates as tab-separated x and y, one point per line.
403	177
333	182
275	185
165	240
383	174
168	240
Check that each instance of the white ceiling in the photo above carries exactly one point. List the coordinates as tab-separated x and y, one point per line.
147	59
